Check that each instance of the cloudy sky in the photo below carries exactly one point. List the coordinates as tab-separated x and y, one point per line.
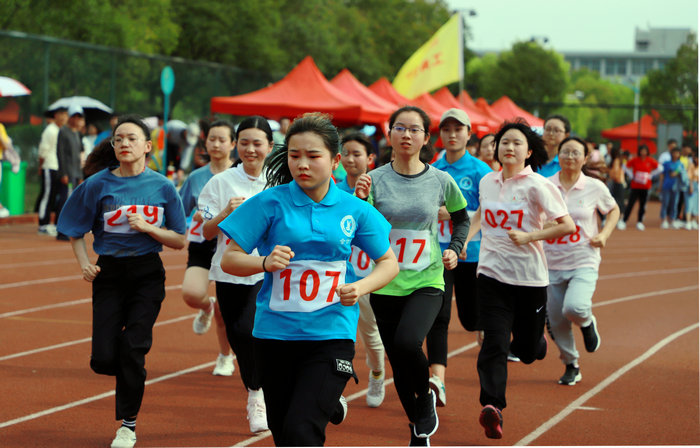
590	25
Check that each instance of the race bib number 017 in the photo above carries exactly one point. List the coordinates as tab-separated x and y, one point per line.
412	248
498	218
306	286
117	221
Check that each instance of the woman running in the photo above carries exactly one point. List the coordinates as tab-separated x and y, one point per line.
556	128
409	193
219	144
574	259
220	197
306	311
132	212
512	272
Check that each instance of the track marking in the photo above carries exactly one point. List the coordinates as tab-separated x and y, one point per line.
645	295
576	404
647	273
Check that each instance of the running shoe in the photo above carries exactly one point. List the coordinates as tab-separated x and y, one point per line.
417	441
621	225
341	411
439	388
375	391
571	375
257	415
426	415
202	322
677	224
224	365
640	226
492	421
46	230
664	225
591	337
512	357
125	438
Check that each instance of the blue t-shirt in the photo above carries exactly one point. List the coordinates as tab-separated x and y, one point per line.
299	303
102	202
671	167
189	192
551	168
345	186
467	172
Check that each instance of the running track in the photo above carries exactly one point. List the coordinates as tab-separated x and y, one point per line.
640	388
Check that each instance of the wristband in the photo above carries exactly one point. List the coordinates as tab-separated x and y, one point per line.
263	264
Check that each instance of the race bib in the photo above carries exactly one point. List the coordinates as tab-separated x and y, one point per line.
412	248
361	262
445	231
306	286
194	232
117	221
641	177
565	242
497	218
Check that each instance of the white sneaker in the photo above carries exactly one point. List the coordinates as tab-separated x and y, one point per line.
46	230
439	388
125	438
688	225
664	224
224	365
694	225
257	415
375	391
202	322
640	226
621	225
677	224
4	213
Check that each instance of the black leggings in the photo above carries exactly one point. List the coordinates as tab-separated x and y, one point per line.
636	194
463	278
403	323
237	305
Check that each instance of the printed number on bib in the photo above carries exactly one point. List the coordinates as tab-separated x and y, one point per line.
117	221
444	231
361	262
306	286
642	177
498	218
572	239
412	248
194	232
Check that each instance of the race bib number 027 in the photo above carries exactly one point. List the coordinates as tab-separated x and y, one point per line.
306	286
498	218
117	221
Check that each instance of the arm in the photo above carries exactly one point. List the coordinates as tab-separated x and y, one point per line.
610	222
385	269
474	227
443	214
564	226
89	270
460	229
210	228
164	236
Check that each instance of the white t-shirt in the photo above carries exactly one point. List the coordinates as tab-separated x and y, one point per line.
213	199
583	199
524	202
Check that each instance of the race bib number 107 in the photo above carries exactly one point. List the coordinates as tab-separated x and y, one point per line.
117	221
306	286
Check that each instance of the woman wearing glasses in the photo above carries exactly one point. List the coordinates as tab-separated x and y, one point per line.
573	259
132	212
409	193
556	129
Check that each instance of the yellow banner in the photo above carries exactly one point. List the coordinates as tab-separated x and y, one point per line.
437	63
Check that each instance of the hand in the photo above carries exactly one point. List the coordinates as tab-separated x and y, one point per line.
363	185
599	240
463	254
278	258
90	271
449	259
198	217
349	294
137	222
233	203
520	238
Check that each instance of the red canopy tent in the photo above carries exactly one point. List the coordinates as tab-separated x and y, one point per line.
383	88
10	114
482	106
627	134
347	82
304	89
481	125
465	99
506	108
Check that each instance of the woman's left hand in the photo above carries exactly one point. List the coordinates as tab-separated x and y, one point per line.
349	294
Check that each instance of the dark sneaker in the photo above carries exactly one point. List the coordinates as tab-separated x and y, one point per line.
417	441
591	338
492	421
426	416
571	376
341	411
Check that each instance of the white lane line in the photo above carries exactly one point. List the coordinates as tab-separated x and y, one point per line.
576	404
644	295
56	262
80	341
648	273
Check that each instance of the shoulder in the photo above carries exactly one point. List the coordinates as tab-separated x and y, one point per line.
595	184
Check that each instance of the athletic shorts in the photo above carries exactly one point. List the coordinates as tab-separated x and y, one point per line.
200	254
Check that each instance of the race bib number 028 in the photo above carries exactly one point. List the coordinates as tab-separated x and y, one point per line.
412	248
306	286
498	218
117	221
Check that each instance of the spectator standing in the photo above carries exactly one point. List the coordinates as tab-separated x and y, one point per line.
68	152
640	170
48	172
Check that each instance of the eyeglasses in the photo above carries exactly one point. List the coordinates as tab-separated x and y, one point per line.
549	130
571	154
402	129
118	140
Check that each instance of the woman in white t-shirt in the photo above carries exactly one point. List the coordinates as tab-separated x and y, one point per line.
512	272
236	295
574	259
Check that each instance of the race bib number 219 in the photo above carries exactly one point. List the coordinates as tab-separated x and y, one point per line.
117	221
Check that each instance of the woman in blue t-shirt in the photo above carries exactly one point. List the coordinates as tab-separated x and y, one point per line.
306	311
132	212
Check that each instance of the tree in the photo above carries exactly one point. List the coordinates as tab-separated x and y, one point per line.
676	84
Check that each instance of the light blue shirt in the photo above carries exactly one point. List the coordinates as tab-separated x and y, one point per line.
195	182
551	168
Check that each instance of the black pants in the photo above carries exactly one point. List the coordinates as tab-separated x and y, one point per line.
237	305
303	381
63	191
618	193
504	309
126	299
46	202
636	194
404	322
463	279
